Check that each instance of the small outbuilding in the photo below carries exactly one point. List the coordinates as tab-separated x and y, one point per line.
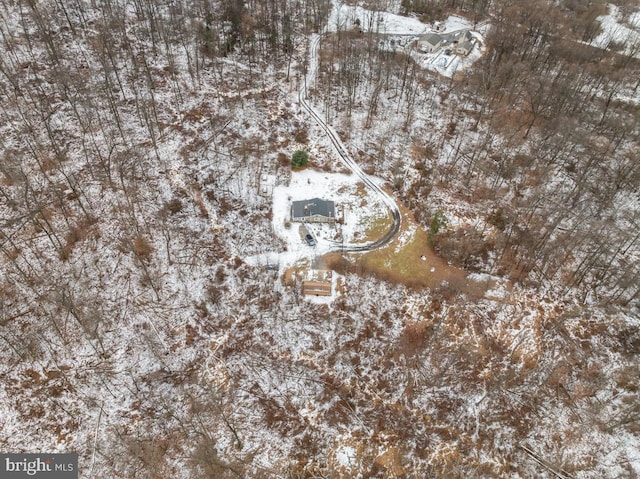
317	282
464	48
314	210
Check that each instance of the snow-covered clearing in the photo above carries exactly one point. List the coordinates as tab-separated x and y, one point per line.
346	17
401	32
357	205
615	32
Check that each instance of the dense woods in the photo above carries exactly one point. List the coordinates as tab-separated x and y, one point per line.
133	138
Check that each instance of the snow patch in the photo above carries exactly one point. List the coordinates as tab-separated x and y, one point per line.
346	456
615	32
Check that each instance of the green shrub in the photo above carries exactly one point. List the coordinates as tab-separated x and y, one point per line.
438	221
299	159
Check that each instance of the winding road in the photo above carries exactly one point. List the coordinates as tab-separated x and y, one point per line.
347	160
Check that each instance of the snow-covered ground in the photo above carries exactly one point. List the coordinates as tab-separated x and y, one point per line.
345	17
358	206
407	30
615	31
189	347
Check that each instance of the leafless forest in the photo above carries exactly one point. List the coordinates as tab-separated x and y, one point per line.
133	136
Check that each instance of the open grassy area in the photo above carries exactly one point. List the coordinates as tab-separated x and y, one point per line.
372	225
375	227
407	260
410	260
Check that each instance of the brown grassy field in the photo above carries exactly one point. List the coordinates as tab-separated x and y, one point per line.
407	260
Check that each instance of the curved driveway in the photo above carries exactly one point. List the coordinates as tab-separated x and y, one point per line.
347	160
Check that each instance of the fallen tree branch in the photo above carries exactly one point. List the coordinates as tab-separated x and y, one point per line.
558	473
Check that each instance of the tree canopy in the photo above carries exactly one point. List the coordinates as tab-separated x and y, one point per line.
299	159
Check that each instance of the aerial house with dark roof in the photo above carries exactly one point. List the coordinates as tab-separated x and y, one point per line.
313	211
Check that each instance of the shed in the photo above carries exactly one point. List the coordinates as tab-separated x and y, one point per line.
317	283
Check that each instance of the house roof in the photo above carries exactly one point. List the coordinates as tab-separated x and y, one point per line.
314	206
431	38
466	46
460	36
465	36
